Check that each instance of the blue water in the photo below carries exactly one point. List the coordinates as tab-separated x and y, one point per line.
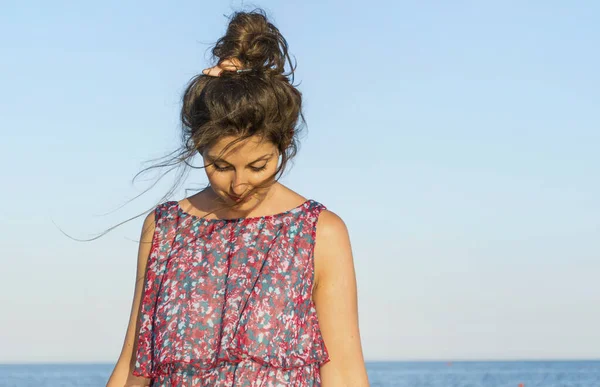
393	374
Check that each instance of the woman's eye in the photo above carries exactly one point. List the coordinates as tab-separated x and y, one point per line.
255	169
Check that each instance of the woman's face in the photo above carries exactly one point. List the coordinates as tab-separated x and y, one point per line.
246	165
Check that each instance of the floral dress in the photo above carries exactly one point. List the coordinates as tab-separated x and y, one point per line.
228	302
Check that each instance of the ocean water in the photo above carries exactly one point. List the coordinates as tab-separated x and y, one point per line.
393	374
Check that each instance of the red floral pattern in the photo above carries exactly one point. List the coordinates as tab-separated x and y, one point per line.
228	302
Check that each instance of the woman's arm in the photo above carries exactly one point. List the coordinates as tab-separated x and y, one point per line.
121	375
335	298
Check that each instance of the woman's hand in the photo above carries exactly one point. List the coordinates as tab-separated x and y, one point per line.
228	64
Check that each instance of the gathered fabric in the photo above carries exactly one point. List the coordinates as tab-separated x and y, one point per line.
228	302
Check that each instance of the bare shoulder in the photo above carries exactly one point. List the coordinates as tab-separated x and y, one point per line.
330	224
332	245
336	302
145	245
148	227
150	221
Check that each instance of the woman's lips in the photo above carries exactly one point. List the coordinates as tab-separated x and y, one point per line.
235	198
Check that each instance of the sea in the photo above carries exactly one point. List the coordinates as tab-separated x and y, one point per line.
392	374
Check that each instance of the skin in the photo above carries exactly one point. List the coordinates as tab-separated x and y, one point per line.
227	64
243	167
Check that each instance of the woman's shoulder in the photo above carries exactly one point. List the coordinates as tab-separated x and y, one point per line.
330	224
165	207
333	250
160	211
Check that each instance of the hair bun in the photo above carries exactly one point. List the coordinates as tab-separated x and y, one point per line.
254	41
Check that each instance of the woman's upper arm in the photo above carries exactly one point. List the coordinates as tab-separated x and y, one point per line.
121	375
335	298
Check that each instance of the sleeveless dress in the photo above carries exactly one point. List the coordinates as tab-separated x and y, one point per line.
228	302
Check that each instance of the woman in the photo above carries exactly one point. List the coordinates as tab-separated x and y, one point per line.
246	283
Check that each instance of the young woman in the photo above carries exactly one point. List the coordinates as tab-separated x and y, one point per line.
246	283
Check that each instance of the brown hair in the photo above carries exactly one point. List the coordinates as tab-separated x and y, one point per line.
259	101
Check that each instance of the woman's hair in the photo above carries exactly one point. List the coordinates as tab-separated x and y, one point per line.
259	101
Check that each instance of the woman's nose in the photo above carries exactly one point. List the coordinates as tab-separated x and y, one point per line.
239	184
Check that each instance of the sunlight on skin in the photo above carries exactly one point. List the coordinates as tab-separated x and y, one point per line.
228	64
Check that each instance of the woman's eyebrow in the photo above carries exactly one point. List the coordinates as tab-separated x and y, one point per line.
216	158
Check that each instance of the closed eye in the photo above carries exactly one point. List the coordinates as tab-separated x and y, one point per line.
255	169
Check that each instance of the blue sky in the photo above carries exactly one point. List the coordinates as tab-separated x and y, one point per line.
458	140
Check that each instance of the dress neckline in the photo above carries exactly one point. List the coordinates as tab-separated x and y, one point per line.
181	211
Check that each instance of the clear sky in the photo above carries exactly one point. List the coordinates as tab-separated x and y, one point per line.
458	140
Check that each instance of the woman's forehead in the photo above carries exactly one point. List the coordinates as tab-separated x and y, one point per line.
248	149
